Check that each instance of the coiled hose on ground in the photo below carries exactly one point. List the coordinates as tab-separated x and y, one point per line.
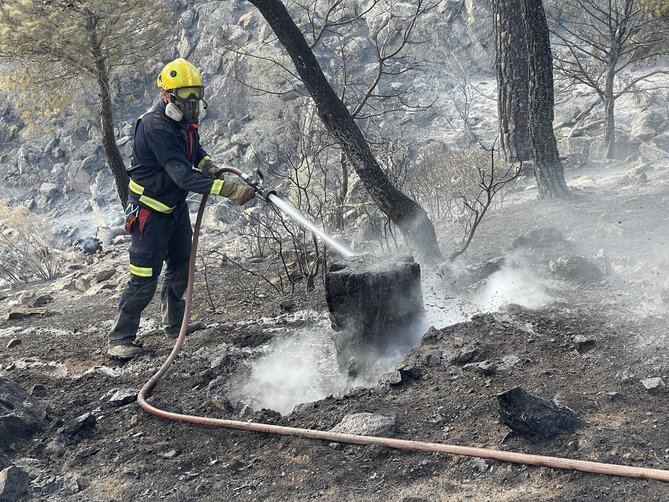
333	437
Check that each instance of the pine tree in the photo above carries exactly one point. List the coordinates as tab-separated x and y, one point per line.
59	49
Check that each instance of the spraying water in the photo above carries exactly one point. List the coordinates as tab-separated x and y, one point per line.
298	217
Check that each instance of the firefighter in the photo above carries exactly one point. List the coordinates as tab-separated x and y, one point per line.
168	162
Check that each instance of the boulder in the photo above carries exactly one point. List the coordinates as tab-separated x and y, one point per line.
21	415
49	190
647	124
14	483
366	424
575	268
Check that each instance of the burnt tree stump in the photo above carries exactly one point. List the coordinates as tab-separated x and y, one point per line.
376	308
534	417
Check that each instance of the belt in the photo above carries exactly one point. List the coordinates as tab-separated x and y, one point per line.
150	202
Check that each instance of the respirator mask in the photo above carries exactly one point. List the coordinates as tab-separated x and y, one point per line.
186	103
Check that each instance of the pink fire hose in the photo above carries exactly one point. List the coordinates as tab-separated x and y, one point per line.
333	437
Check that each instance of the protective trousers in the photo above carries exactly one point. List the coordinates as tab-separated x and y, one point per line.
156	238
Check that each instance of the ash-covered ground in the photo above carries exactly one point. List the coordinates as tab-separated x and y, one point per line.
566	299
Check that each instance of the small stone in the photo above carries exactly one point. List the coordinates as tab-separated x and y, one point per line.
169	454
123	397
508	362
105	275
22	313
38	390
391	378
583	344
49	190
80	425
366	424
653	384
13	484
485	368
287	305
55	447
42	300
14	342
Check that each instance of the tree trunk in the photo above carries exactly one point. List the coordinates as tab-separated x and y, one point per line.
609	119
546	159
114	159
343	193
408	215
512	80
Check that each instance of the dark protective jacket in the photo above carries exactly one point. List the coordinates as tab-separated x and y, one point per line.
163	155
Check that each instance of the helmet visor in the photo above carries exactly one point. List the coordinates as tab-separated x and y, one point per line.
189	93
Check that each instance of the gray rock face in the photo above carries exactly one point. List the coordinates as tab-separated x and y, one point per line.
13	484
21	415
366	424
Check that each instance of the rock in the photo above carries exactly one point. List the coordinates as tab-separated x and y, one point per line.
120	239
21	416
583	344
575	268
534	417
82	284
287	305
169	454
373	305
38	390
14	342
539	238
81	425
508	362
488	268
90	245
653	384
366	424
105	275
42	300
22	313
123	397
13	484
49	190
646	125
485	368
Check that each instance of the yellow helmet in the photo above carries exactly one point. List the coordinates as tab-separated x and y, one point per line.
179	73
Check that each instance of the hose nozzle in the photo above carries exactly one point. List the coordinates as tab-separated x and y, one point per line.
256	181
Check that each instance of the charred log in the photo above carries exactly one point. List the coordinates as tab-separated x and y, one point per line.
375	308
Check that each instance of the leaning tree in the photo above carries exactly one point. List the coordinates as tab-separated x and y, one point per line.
60	49
409	216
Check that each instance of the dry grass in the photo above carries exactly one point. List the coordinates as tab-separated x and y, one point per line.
26	246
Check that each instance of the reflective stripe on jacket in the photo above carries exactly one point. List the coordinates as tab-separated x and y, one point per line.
163	155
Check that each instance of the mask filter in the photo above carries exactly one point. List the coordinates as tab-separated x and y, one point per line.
179	110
